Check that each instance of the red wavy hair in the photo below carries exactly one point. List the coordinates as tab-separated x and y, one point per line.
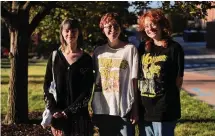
157	17
109	18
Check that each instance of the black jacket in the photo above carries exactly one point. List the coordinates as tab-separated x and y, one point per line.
73	84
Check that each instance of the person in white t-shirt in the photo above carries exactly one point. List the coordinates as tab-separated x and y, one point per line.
114	100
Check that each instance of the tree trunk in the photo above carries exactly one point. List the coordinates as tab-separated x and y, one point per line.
18	85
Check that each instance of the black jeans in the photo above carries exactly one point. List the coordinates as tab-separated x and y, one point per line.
113	125
79	126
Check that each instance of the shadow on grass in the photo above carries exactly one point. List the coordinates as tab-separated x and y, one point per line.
5	66
30	64
30	76
29	82
5	79
196	120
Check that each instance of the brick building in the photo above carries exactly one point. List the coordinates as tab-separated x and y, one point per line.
210	18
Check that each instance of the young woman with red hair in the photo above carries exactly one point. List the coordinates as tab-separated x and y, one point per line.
116	67
161	70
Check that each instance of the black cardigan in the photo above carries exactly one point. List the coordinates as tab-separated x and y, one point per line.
73	84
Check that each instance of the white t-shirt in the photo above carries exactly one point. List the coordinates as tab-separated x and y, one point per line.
115	69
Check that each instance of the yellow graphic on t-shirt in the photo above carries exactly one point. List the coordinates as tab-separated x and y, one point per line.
111	63
109	69
151	71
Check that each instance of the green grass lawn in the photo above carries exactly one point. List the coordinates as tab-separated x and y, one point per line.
198	119
36	72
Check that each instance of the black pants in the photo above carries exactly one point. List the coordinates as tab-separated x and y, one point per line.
113	125
78	126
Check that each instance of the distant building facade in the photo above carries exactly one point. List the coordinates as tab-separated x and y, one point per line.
209	18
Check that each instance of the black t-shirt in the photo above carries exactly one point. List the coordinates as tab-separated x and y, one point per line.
159	69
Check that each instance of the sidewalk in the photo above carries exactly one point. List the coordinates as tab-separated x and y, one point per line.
199	75
201	86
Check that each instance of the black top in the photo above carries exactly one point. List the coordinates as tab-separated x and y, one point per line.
73	84
159	69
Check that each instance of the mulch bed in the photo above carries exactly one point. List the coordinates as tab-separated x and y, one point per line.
32	129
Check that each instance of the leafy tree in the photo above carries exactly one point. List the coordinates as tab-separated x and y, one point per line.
180	11
189	9
22	19
141	5
89	14
16	17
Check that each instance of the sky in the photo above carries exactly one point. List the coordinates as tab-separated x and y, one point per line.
153	4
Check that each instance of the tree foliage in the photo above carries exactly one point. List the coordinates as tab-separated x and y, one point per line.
189	9
141	5
23	18
88	13
15	15
180	11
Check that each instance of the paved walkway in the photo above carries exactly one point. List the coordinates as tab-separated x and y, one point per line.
199	76
201	86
